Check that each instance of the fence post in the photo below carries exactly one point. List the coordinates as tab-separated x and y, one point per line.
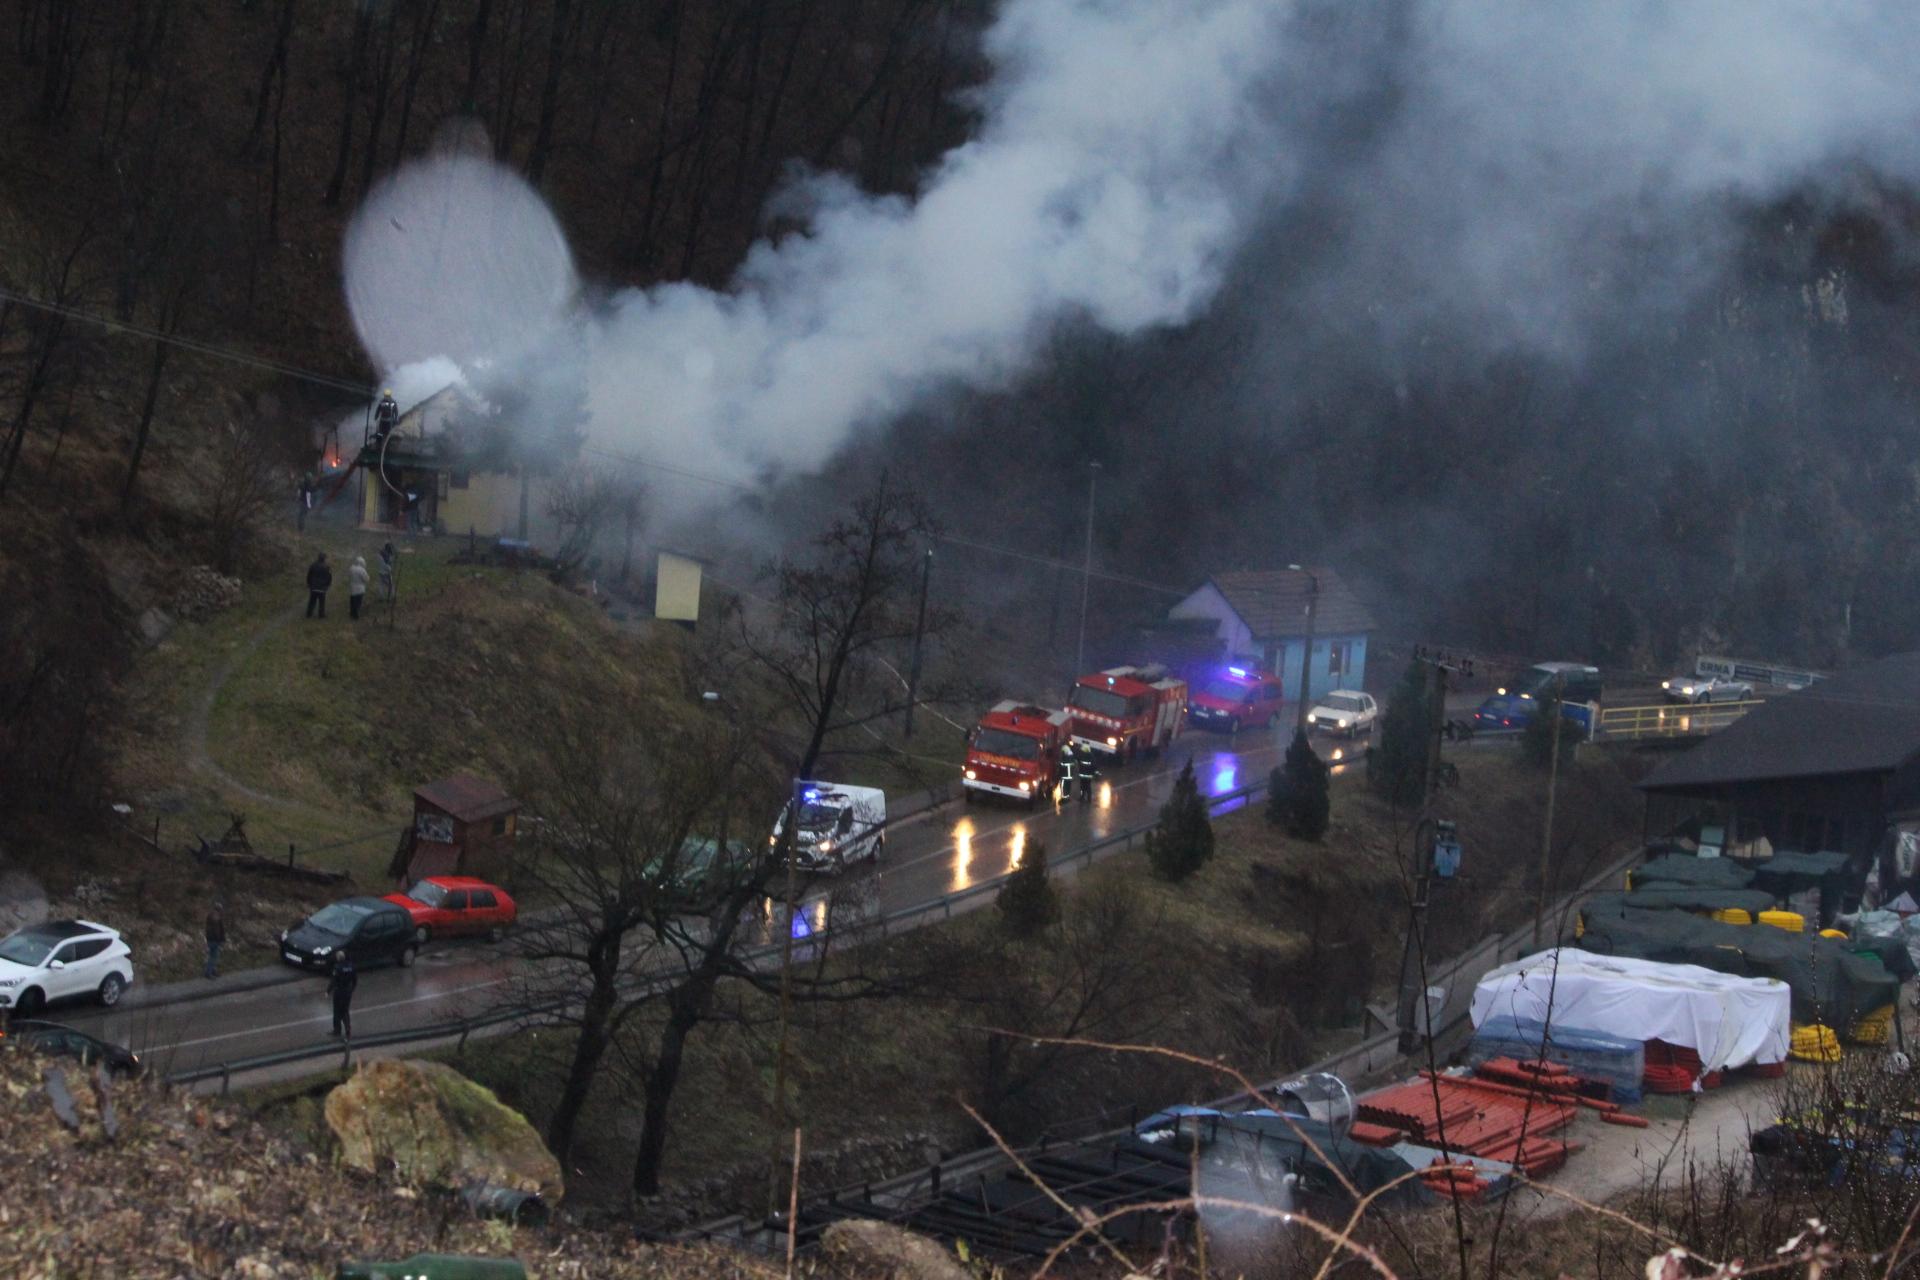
226	1079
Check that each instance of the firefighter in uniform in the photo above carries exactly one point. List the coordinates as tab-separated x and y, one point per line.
386	416
1065	787
1086	769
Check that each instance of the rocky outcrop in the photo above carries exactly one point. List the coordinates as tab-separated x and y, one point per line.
204	592
878	1251
435	1127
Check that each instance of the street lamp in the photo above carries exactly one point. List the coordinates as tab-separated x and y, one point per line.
1306	655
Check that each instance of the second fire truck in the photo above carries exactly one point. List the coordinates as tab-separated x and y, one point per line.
1015	752
1126	711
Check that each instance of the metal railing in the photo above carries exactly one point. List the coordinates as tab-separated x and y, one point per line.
1669	719
902	919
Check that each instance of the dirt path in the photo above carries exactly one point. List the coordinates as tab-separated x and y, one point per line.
198	758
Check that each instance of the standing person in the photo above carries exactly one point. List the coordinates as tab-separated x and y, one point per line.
307	488
387	554
356	586
1086	770
1065	789
340	986
319	581
216	933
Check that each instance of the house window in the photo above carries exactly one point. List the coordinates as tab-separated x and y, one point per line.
1339	656
460	479
500	825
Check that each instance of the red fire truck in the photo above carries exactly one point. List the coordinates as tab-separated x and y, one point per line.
1015	751
1125	711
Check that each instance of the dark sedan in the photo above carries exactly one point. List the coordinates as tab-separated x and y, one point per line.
371	930
65	1042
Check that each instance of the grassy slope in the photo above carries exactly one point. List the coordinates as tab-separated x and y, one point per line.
875	1083
337	722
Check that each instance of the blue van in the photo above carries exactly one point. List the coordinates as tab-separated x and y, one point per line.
1512	707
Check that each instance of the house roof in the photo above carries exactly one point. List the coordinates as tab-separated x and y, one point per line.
467	798
1273	602
1866	720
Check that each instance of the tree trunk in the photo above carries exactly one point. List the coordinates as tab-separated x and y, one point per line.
550	90
522	535
416	67
276	68
661	1082
362	24
155	372
476	50
587	1052
382	85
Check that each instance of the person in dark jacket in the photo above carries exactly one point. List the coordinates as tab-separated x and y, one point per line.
340	986
216	934
319	579
1085	770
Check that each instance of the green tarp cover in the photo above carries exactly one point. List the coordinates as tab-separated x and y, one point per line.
1829	983
1789	873
1666	896
1703	873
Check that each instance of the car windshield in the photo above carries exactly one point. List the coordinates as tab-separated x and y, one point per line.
1102	702
341	918
1343	702
1229	691
1533	681
428	894
26	948
1001	742
818	817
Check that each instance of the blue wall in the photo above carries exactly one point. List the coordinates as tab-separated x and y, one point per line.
1352	675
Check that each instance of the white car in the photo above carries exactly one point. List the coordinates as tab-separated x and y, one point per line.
1345	711
1706	689
838	825
62	959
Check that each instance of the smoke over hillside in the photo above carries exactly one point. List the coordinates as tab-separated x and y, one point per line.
1478	300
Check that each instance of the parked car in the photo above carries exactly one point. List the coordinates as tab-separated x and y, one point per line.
1706	689
1345	711
371	930
65	1042
1239	697
456	906
61	960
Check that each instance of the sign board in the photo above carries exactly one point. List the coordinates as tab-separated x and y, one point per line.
437	827
676	592
1754	672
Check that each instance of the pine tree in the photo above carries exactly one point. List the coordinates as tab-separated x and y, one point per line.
1279	798
1183	840
1398	766
1536	740
1027	901
1308	807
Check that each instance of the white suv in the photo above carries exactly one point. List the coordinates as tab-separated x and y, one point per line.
61	959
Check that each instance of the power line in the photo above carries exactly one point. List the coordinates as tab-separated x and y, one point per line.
189	344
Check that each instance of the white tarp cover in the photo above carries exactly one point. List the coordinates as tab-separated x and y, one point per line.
1728	1021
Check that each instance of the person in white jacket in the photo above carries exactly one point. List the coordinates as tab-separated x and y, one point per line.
356	587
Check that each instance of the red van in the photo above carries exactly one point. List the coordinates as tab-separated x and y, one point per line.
1236	698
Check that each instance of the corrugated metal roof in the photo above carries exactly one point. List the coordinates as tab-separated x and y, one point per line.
1273	602
1866	720
467	798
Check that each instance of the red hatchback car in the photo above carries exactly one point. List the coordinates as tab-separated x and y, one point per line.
452	906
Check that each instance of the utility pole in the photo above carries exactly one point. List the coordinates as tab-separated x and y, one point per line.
1553	778
919	632
1086	571
1426	834
1306	655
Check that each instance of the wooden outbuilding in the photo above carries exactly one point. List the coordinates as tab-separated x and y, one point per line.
462	825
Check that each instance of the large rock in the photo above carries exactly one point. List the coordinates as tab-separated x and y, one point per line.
435	1126
862	1247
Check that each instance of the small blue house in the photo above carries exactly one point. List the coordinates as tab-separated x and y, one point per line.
1261	616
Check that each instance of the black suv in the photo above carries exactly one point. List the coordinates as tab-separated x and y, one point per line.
371	930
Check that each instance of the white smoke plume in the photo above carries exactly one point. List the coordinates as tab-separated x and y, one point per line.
1118	164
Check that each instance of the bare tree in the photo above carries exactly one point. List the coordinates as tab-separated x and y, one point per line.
581	502
246	477
45	357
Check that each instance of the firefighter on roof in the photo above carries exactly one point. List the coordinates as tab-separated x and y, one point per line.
386	416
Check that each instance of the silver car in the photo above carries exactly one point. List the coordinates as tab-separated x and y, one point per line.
1706	689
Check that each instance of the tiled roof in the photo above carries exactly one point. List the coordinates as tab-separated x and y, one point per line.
1273	602
467	798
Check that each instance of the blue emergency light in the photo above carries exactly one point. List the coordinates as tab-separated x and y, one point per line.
1235	671
810	795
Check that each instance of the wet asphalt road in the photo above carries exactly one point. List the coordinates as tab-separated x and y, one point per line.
927	856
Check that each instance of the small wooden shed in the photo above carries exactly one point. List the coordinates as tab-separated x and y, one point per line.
462	825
